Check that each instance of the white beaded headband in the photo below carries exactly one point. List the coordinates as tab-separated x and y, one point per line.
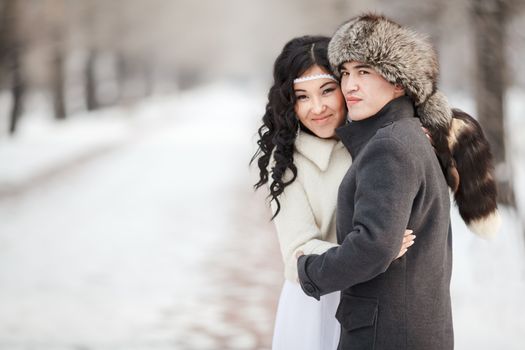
313	77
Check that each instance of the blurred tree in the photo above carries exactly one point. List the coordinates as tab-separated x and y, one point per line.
55	16
90	81
489	18
90	11
58	82
11	58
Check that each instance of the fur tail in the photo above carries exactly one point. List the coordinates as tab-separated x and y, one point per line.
471	157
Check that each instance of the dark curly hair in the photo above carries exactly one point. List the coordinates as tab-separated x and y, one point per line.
280	123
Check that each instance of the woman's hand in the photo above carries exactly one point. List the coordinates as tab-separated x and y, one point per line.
428	135
408	240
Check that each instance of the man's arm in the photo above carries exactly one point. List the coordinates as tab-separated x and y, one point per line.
387	184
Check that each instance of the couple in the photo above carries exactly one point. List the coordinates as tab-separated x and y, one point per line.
343	229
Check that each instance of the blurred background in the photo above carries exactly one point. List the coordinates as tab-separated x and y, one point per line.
127	214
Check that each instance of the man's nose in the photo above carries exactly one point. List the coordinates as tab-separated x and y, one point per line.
349	85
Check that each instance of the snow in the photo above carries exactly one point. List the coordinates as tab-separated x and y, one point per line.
117	227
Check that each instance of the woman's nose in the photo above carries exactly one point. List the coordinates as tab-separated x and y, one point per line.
318	106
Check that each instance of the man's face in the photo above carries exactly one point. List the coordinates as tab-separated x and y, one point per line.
365	90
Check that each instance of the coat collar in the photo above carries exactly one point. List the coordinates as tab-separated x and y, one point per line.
356	134
316	149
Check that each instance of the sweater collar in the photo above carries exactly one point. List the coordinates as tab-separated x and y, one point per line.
356	134
316	149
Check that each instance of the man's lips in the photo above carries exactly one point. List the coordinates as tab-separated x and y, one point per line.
351	100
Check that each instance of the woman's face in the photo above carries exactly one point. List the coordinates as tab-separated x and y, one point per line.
320	105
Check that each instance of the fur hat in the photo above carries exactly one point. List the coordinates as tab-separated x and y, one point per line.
403	56
400	55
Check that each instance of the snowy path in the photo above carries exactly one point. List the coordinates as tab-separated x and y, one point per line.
145	247
160	243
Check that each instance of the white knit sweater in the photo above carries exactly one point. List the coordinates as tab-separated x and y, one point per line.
306	221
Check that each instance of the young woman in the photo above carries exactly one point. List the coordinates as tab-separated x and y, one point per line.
303	163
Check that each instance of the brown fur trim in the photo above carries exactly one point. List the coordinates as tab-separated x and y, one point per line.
436	115
476	194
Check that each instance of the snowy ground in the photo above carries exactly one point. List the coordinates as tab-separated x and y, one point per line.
138	229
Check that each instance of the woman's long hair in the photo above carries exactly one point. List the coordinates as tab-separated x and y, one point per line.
280	123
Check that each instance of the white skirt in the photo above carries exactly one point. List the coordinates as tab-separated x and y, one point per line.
304	323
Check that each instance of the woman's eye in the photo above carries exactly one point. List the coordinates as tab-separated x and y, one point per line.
300	97
327	91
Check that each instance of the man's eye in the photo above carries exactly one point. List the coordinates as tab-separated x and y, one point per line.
344	74
363	72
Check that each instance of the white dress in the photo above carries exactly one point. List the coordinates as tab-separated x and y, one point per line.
304	323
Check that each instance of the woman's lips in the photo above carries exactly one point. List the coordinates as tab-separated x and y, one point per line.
321	119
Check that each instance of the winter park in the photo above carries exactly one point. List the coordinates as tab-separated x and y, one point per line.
128	217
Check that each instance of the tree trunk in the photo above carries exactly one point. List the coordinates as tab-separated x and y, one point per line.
121	68
90	82
57	84
12	60
489	30
17	91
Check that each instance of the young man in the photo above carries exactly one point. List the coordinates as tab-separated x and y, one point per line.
388	76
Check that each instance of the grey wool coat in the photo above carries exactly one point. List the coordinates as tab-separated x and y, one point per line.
395	182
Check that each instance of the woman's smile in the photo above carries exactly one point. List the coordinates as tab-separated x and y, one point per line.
321	120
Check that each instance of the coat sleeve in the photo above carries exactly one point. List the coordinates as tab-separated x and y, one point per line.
386	185
296	228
